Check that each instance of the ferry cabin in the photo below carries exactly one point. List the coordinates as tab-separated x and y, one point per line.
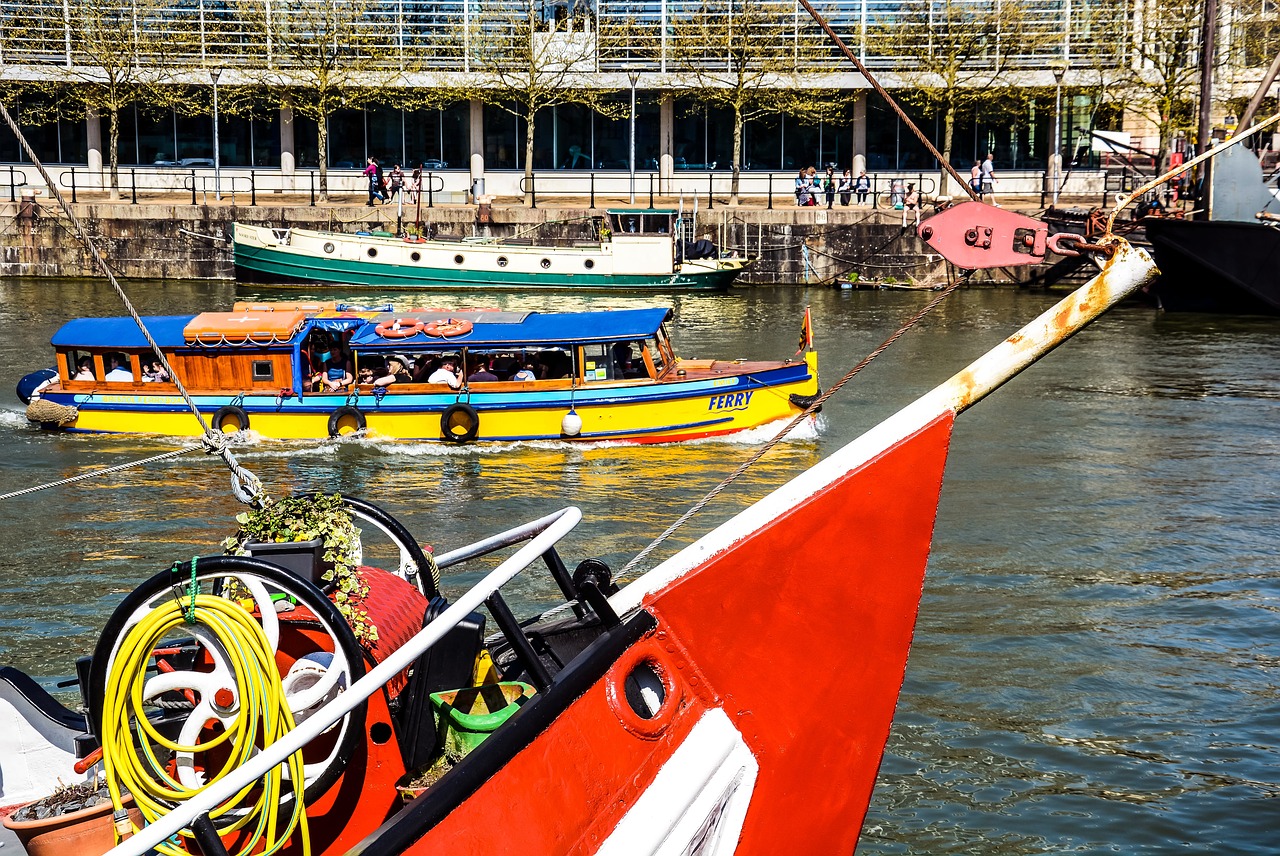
295	371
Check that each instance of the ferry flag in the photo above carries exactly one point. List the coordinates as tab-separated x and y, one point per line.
806	331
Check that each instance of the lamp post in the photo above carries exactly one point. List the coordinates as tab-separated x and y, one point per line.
217	154
634	77
1055	156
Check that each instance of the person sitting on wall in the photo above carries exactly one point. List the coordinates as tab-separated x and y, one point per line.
447	373
84	369
118	371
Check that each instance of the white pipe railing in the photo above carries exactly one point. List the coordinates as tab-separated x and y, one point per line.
550	529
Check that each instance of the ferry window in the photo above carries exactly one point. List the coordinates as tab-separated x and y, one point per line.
152	369
264	370
596	364
118	367
627	361
80	365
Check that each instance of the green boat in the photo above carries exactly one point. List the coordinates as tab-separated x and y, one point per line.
640	251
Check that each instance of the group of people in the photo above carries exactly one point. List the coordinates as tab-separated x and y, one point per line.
811	190
982	178
118	370
385	187
334	371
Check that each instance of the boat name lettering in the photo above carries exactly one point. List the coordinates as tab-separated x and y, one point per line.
730	401
725	381
141	399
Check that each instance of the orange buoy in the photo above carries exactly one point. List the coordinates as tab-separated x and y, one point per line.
448	328
399	328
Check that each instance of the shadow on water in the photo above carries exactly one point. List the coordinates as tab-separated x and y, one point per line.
1096	655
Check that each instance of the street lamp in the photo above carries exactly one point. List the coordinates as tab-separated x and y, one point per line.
634	77
217	154
1055	156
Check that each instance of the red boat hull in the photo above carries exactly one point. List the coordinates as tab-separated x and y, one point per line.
791	591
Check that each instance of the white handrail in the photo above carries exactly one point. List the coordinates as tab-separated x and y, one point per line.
553	526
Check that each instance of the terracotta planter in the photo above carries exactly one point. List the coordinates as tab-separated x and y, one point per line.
87	832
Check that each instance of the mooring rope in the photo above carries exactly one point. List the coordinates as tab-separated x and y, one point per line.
796	420
102	472
244	484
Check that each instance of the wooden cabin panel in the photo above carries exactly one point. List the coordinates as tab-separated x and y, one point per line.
226	371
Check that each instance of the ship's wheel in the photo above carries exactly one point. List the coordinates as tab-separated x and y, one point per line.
198	681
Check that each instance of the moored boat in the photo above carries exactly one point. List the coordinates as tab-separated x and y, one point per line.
734	699
307	371
639	250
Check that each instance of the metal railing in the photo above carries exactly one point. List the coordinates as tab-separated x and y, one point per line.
622	35
17	178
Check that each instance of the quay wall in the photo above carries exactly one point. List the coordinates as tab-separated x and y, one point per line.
179	241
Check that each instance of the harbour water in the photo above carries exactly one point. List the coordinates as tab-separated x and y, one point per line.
1096	659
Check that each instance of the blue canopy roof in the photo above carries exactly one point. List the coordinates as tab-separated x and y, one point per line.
121	332
536	328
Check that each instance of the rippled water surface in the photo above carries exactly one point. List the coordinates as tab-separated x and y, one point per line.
1096	659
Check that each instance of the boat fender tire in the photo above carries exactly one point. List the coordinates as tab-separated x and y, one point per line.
460	423
804	402
230	415
345	412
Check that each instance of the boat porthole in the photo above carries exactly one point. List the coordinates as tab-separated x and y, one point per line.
502	261
642	691
373	251
457	260
380	732
417	257
546	263
328	248
589	264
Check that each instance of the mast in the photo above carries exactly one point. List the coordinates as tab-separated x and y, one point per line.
1208	47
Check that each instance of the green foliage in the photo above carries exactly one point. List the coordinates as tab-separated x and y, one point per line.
306	518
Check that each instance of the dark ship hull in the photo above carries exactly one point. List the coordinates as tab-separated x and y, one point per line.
1216	266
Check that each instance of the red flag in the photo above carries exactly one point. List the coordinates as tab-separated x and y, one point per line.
806	332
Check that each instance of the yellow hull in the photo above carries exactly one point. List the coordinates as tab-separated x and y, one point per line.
665	417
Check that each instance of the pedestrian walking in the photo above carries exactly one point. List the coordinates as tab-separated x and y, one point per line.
862	186
829	185
975	178
845	187
989	178
375	183
415	183
397	182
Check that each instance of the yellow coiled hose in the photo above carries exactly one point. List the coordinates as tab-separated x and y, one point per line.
262	719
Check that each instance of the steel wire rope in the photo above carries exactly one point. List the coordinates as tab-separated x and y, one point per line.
101	472
244	484
796	420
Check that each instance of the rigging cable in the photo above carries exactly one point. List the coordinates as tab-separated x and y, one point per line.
799	417
244	484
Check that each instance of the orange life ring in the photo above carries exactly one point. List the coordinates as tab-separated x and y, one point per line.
448	328
399	328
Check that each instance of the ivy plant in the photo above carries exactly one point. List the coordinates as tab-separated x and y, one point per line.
306	518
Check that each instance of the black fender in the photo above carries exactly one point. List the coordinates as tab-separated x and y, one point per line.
344	412
233	414
460	423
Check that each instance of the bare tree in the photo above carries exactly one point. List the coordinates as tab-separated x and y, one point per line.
954	55
323	56
117	54
526	56
1166	43
739	55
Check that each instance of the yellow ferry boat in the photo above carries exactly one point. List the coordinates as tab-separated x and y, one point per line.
305	371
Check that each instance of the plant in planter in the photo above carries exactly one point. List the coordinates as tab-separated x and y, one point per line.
320	518
73	819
